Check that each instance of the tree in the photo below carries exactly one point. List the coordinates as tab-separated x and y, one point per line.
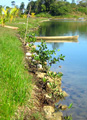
0	9
73	1
22	7
83	3
31	5
48	3
60	8
13	3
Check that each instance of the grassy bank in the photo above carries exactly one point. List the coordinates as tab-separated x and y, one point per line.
15	82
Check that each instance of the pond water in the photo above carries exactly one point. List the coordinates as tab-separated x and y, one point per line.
74	68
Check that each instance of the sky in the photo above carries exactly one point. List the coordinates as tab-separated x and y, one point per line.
17	2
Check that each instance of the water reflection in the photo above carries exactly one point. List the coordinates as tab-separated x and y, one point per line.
59	28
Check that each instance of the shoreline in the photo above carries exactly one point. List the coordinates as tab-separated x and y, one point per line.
39	98
48	115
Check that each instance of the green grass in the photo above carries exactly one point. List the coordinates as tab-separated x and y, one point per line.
21	22
15	82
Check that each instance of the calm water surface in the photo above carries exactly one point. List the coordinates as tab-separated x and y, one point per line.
74	68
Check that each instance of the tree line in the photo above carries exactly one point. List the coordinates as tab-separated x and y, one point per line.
57	7
53	7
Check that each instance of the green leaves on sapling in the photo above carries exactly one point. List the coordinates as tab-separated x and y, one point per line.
46	55
44	80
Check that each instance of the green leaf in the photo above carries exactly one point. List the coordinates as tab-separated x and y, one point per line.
70	106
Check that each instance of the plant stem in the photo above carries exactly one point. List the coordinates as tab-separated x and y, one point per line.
27	25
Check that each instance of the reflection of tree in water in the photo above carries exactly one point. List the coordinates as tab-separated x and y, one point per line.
62	28
56	45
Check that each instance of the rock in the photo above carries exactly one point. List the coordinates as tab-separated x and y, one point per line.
40	69
48	88
34	46
29	58
54	72
26	58
64	107
28	54
57	116
51	115
33	60
40	75
48	110
60	66
50	79
65	94
60	89
47	96
45	63
27	44
39	66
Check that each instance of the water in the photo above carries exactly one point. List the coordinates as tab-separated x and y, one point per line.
74	68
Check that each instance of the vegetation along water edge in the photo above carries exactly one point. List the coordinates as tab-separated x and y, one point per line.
28	89
45	86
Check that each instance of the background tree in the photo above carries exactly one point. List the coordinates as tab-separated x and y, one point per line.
13	3
31	4
0	9
22	7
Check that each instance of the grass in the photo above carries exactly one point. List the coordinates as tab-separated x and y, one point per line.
15	82
21	22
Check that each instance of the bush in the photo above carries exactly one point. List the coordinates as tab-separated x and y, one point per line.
83	10
47	15
60	8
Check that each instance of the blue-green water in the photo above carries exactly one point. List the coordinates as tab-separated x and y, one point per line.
74	68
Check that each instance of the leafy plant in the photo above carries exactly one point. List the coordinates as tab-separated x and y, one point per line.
31	38
3	16
44	80
68	117
46	55
52	85
53	75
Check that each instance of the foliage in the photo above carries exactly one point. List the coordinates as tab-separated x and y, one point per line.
4	15
46	55
60	8
42	14
31	38
13	3
13	13
56	8
53	75
44	80
22	7
33	14
68	117
83	10
8	14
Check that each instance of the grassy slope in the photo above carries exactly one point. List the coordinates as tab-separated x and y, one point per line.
15	83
